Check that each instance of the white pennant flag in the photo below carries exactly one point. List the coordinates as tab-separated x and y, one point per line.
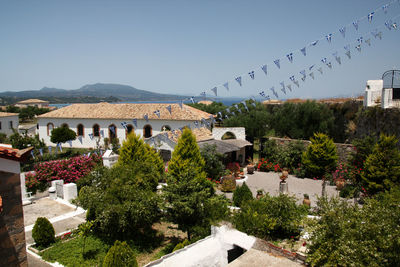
226	85
311	75
214	90
264	68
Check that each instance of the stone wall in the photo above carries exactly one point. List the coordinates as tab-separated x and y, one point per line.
12	233
239	132
343	150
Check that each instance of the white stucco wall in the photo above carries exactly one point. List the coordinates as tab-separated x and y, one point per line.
5	124
239	132
11	166
373	93
103	124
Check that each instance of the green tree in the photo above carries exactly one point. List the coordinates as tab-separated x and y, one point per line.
213	167
320	156
348	234
43	232
241	195
21	141
382	167
135	151
120	254
213	108
62	134
186	152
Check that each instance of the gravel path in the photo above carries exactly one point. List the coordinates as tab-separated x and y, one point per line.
269	182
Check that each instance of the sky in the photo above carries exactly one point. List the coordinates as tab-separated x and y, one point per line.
188	47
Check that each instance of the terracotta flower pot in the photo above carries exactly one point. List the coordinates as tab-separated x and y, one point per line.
307	201
340	184
250	169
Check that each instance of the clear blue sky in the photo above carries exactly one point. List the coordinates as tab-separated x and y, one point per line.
186	47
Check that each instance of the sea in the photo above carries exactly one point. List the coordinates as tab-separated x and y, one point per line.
225	101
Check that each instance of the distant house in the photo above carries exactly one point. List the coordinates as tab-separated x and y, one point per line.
32	103
373	93
8	122
94	122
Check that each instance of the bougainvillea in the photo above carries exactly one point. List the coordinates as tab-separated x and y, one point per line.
69	170
264	165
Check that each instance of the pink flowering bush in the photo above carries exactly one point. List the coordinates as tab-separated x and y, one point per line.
69	170
264	165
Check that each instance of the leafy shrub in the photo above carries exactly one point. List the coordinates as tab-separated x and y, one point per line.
181	245
290	156
214	167
320	156
228	184
120	254
241	195
270	150
43	232
276	217
233	167
264	165
348	234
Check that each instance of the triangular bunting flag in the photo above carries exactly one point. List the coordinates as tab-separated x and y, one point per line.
329	64
91	136
310	68
41	151
146	117
239	80
303	72
292	78
329	37
59	147
343	31
49	148
289	87
368	41
296	83
303	50
112	129
355	24
192	99
203	94
394	25
214	90
80	139
157	112
358	47
196	124
181	104
32	154
134	122
102	133
339	60
283	89
360	40
385	8
290	57
347	47
311	75
320	70
388	24
277	63
251	73
226	85
124	125
324	60
264	68
314	43
70	143
348	54
274	92
303	78
169	108
370	16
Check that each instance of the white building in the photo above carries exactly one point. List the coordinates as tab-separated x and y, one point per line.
94	122
8	122
376	94
32	103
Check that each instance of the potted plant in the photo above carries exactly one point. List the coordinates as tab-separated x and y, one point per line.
228	183
250	167
306	200
340	184
284	175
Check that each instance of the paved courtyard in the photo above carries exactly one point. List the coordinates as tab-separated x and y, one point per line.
269	182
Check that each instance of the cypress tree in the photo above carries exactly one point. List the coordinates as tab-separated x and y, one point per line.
186	152
382	167
120	254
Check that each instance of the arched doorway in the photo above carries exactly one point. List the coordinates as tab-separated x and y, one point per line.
147	131
112	131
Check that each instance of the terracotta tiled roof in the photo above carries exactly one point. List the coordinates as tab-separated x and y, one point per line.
29	101
201	134
13	153
7	114
127	111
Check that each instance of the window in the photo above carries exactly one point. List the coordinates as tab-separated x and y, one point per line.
129	129
50	128
147	131
166	128
112	131
11	125
96	130
80	130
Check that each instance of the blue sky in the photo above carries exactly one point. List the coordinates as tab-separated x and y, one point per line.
187	47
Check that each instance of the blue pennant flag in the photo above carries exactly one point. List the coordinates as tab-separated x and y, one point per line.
239	80
157	112
355	24
237	108
124	125
324	60
212	118
274	92
192	99
220	114
32	154
283	89
329	37
360	40
290	57
311	75
337	58
49	148
358	47
181	104
314	43
303	78
289	87
329	64
226	85
59	147
303	72
370	16
385	8
251	73
264	68
146	117
343	31
310	68
262	93
303	50
368	41
70	143
296	83
389	24
91	136
228	110
292	78
320	70
348	54
196	124
169	108
80	139
394	25
41	151
112	129
134	122
245	106
214	90
102	133
277	63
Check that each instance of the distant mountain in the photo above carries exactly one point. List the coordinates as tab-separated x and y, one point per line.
98	90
